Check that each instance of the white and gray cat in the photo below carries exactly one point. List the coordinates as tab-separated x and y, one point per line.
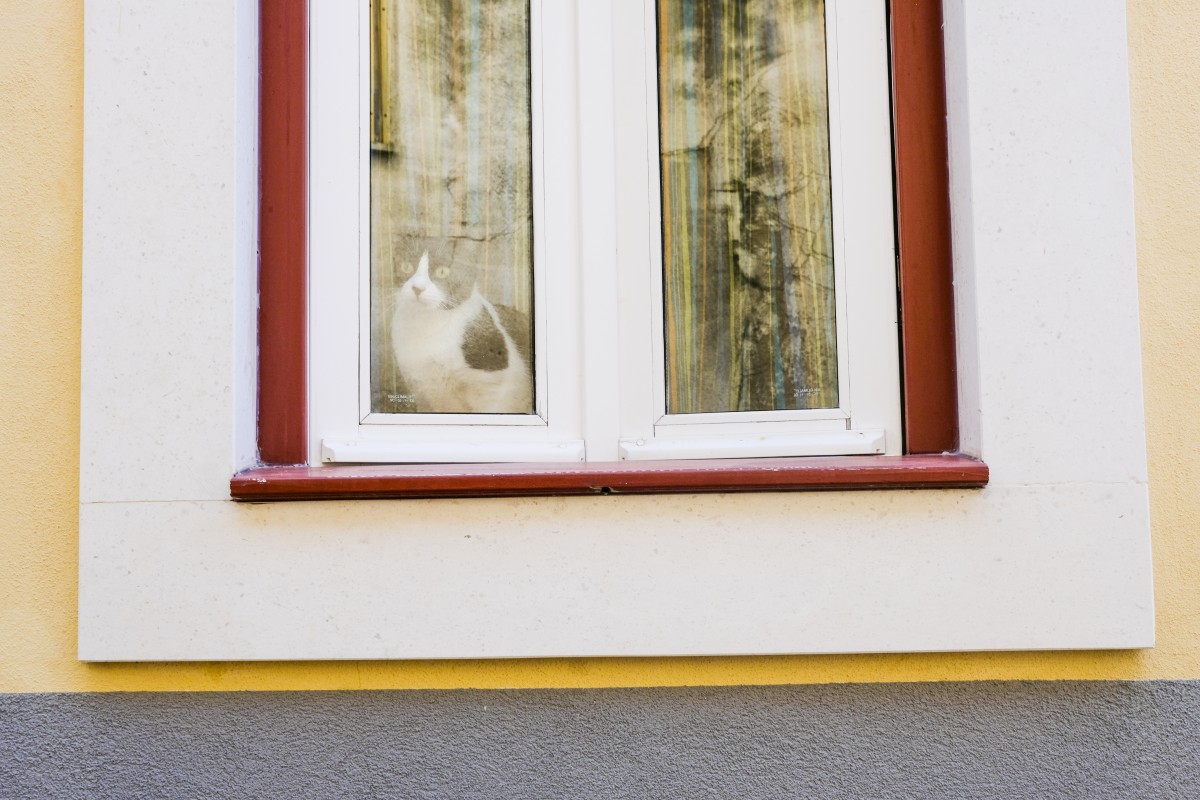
457	352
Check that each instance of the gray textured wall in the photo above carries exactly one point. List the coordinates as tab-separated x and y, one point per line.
993	740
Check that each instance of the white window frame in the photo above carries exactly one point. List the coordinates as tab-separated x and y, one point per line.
864	248
342	427
613	407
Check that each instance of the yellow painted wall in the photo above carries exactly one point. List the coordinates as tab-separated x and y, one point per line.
40	232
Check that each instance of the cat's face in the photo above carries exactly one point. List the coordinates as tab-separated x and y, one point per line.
442	287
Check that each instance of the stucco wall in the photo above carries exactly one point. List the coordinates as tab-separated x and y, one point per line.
40	234
1016	741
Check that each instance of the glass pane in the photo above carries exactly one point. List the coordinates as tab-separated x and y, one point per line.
451	208
747	233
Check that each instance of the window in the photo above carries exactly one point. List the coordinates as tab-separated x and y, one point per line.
795	355
1054	554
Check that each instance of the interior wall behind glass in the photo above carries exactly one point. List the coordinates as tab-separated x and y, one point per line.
450	164
747	226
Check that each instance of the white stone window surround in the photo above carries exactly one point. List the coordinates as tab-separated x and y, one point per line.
1054	553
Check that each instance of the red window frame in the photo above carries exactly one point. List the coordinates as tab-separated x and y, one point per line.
927	350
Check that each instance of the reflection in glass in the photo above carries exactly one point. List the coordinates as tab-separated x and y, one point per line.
451	208
747	234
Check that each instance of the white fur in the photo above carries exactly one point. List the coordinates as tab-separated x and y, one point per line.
427	341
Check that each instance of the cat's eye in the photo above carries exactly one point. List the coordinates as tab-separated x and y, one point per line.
441	272
406	268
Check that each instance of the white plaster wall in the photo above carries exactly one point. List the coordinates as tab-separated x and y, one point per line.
1054	554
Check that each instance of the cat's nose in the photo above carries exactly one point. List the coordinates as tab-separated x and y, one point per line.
417	289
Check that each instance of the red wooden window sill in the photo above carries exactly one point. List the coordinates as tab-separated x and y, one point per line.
947	471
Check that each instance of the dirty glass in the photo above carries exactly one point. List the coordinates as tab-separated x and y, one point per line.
451	225
747	237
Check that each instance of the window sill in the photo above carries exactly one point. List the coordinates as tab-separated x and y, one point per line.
946	471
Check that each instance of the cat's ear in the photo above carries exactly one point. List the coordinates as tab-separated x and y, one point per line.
424	265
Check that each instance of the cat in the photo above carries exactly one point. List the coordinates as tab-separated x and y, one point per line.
457	352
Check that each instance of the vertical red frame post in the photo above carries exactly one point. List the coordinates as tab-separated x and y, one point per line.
283	233
923	227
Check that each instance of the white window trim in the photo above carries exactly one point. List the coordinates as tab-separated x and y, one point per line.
864	245
585	343
340	177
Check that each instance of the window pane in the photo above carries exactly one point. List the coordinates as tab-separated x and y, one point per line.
747	232
451	208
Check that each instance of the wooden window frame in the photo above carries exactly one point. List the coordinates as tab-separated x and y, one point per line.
927	344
